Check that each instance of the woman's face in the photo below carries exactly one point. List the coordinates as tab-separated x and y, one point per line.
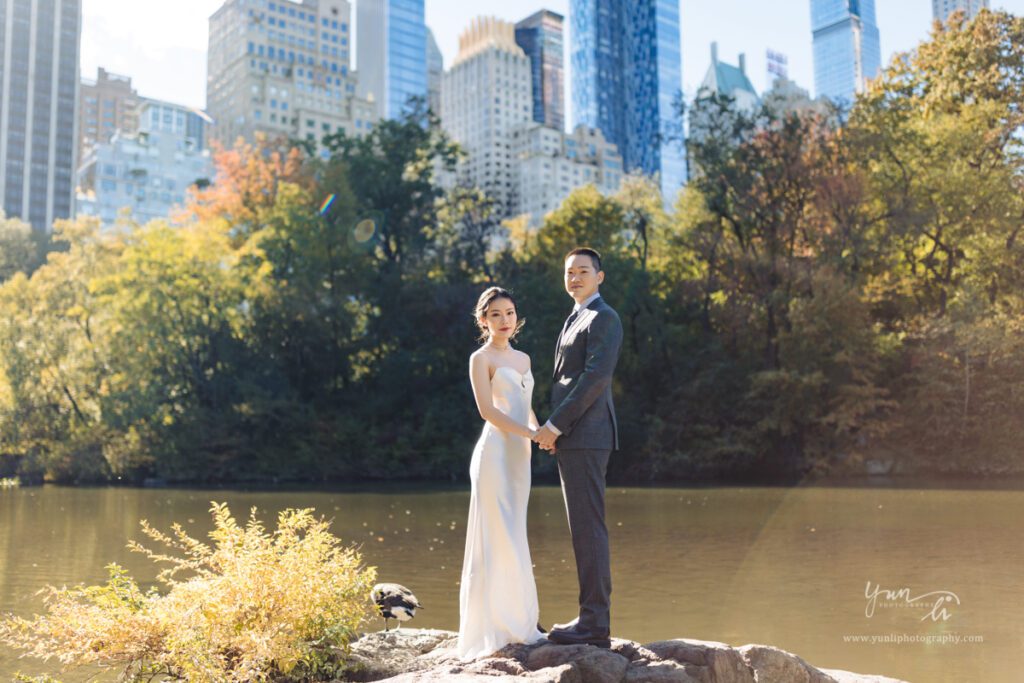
500	318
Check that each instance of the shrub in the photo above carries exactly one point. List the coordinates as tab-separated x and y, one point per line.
253	606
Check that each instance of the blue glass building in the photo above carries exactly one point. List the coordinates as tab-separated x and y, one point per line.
627	77
847	51
391	48
540	36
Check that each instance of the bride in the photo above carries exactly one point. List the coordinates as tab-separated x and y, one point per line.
498	596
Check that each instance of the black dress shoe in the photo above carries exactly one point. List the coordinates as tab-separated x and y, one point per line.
566	627
578	636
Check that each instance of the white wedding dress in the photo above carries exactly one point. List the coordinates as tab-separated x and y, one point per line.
498	596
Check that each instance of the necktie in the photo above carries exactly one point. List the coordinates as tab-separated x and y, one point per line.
570	320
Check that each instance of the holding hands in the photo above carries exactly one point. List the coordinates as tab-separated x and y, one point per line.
545	438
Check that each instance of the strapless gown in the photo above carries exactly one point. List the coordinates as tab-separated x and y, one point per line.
497	594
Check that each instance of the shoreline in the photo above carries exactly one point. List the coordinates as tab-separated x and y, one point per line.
363	485
420	655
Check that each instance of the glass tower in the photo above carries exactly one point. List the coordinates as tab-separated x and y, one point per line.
540	36
941	9
627	76
847	51
391	48
435	71
38	108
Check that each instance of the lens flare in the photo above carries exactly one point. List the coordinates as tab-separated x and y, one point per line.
364	230
328	203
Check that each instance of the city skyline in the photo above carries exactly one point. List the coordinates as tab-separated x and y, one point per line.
158	44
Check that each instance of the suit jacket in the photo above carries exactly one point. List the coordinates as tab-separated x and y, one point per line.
581	392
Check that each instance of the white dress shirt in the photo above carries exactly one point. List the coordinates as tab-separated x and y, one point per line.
575	309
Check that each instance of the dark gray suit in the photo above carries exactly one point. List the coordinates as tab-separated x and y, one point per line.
581	397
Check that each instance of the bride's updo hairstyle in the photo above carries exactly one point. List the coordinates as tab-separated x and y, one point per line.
483	303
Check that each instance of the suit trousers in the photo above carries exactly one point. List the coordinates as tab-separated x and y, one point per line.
583	485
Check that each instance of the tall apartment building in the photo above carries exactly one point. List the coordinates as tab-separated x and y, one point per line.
391	42
549	164
105	105
435	71
729	81
847	51
540	36
627	78
283	68
941	9
149	171
39	64
725	81
485	95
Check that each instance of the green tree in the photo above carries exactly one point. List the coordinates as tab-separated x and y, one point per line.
19	252
55	368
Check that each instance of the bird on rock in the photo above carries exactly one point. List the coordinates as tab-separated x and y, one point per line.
395	601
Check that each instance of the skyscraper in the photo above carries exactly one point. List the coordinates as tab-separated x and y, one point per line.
148	170
723	82
627	78
729	81
105	106
485	95
391	45
435	70
549	164
282	68
941	9
39	48
540	36
847	51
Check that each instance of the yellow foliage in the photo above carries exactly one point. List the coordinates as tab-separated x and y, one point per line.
254	606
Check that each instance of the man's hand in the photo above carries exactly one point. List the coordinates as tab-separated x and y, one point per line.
546	438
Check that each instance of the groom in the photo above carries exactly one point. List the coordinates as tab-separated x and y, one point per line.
583	425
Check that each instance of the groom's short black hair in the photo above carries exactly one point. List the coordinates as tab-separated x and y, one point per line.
592	253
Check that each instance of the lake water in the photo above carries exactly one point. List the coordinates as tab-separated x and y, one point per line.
782	566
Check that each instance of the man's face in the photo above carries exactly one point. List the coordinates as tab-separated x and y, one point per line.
581	277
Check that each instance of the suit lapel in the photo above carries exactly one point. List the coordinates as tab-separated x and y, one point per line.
568	333
558	349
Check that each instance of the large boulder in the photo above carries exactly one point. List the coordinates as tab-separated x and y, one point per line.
421	655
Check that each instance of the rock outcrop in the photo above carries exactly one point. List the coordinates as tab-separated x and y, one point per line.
422	655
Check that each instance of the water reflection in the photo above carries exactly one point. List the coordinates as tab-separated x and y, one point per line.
783	566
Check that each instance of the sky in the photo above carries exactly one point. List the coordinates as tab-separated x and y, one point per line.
162	45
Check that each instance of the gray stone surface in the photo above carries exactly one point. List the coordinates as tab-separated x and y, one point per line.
421	655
